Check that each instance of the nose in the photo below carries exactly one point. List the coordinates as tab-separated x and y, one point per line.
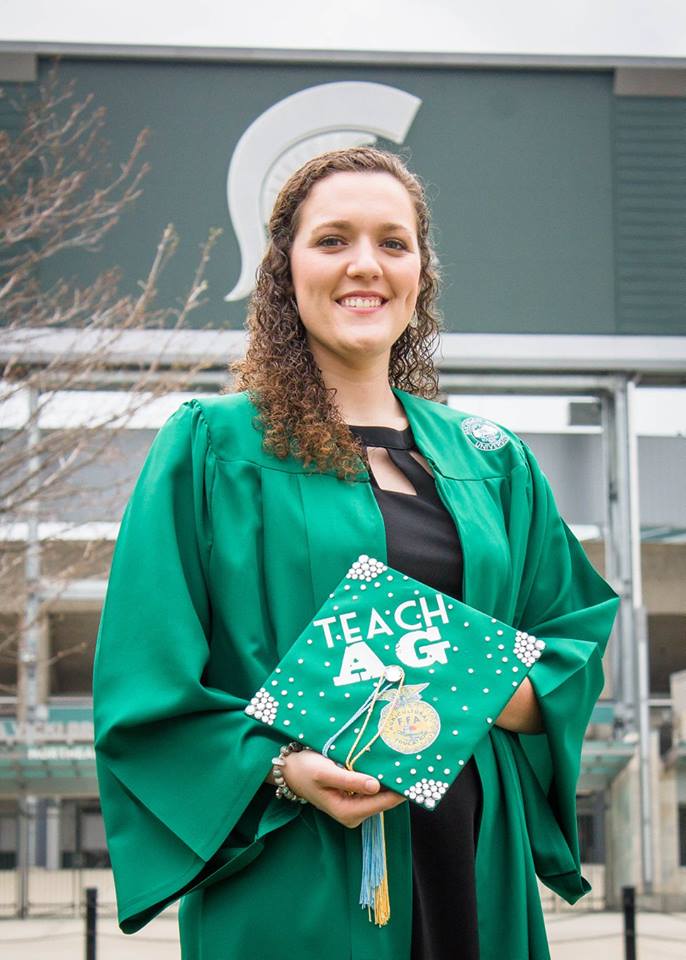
363	261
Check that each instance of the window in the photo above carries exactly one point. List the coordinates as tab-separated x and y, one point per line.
590	820
72	643
667	634
9	642
83	835
8	840
682	834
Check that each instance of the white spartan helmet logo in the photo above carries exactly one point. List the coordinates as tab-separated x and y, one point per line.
330	116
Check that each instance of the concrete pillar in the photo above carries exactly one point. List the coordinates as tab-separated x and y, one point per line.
677	684
623	833
672	791
42	668
656	820
624	827
32	824
669	836
37	667
52	834
26	849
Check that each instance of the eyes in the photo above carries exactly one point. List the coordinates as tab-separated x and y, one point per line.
334	241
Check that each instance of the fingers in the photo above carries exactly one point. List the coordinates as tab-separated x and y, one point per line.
351	811
340	779
325	773
346	795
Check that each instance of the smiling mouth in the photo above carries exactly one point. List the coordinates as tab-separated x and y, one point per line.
361	303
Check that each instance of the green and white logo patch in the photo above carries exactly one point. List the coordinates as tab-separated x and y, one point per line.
484	434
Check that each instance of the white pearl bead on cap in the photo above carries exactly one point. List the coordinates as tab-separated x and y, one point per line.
394	673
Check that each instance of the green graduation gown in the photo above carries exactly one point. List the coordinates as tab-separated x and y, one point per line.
224	554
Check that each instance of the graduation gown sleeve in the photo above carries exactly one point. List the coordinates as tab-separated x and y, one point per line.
563	600
178	761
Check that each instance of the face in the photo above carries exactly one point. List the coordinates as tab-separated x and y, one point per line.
355	264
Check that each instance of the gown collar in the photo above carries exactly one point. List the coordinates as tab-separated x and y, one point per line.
422	428
388	437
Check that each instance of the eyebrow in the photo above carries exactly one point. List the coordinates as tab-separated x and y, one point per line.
345	225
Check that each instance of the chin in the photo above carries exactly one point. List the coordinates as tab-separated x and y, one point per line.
366	349
378	339
365	345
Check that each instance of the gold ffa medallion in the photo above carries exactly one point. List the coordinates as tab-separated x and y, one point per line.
407	724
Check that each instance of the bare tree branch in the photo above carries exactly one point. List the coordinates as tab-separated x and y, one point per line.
59	191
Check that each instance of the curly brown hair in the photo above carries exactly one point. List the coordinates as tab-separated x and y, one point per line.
297	413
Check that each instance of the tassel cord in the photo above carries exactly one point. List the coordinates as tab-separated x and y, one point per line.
358	713
374	893
350	759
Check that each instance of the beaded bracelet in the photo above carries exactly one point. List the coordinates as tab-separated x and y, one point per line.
283	791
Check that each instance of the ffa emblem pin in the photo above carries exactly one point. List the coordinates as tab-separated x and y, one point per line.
484	434
407	724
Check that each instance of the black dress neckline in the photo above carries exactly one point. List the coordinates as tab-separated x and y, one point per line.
422	541
389	437
398	444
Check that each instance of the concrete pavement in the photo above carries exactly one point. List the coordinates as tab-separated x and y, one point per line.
572	934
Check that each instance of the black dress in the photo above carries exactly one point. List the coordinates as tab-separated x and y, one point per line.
422	542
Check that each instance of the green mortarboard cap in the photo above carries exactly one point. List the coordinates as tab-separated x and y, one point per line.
426	672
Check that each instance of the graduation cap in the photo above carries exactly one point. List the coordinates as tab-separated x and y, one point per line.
396	679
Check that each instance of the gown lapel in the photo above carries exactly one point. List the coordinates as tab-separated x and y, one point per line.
342	520
474	503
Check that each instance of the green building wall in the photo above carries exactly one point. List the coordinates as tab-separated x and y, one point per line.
533	176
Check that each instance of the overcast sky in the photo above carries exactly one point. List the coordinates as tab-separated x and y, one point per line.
618	28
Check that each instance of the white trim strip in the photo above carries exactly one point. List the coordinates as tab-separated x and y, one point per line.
562	353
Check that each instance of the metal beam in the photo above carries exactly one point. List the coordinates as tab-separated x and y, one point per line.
613	548
563	353
629	650
464	353
642	664
436	59
525	382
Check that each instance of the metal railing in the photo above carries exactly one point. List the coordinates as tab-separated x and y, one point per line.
61	893
56	893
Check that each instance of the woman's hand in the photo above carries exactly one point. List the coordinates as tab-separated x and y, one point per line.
522	713
347	796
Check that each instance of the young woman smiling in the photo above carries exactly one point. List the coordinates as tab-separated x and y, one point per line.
247	512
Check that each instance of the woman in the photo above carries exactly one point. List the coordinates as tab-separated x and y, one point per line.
246	514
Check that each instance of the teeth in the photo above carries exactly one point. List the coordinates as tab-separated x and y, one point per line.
364	302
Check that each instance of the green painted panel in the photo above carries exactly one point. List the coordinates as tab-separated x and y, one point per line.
10	106
70	714
603	713
11	122
650	162
518	164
